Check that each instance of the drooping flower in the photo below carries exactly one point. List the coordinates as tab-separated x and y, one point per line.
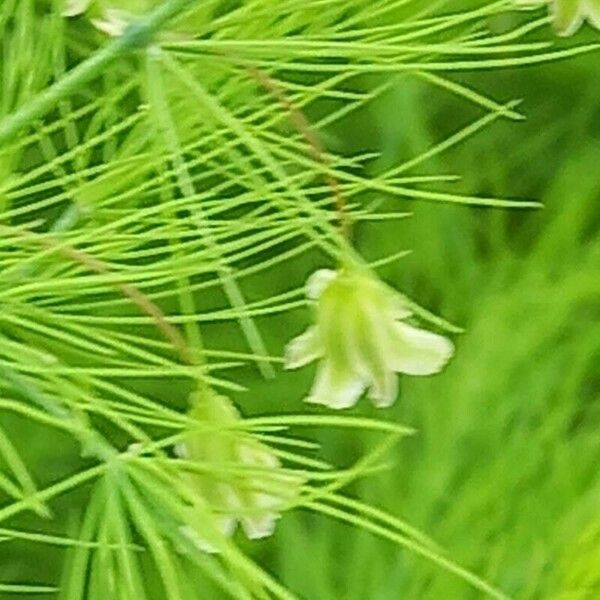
244	480
362	339
568	15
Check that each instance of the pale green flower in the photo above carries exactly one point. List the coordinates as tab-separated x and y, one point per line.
568	15
229	489
362	341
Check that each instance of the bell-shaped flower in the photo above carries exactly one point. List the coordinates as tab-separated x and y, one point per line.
362	339
568	15
240	479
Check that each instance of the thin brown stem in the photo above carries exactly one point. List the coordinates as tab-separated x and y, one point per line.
304	128
145	304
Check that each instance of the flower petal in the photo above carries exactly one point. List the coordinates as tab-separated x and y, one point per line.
75	7
336	388
384	389
399	308
226	525
317	283
114	22
259	527
568	16
373	345
419	352
594	12
303	349
256	454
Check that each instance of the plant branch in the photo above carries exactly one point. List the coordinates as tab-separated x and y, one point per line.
145	304
138	34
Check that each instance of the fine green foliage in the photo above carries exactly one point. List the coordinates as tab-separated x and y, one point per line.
163	196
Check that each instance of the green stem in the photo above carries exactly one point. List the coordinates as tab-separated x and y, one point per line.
137	35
